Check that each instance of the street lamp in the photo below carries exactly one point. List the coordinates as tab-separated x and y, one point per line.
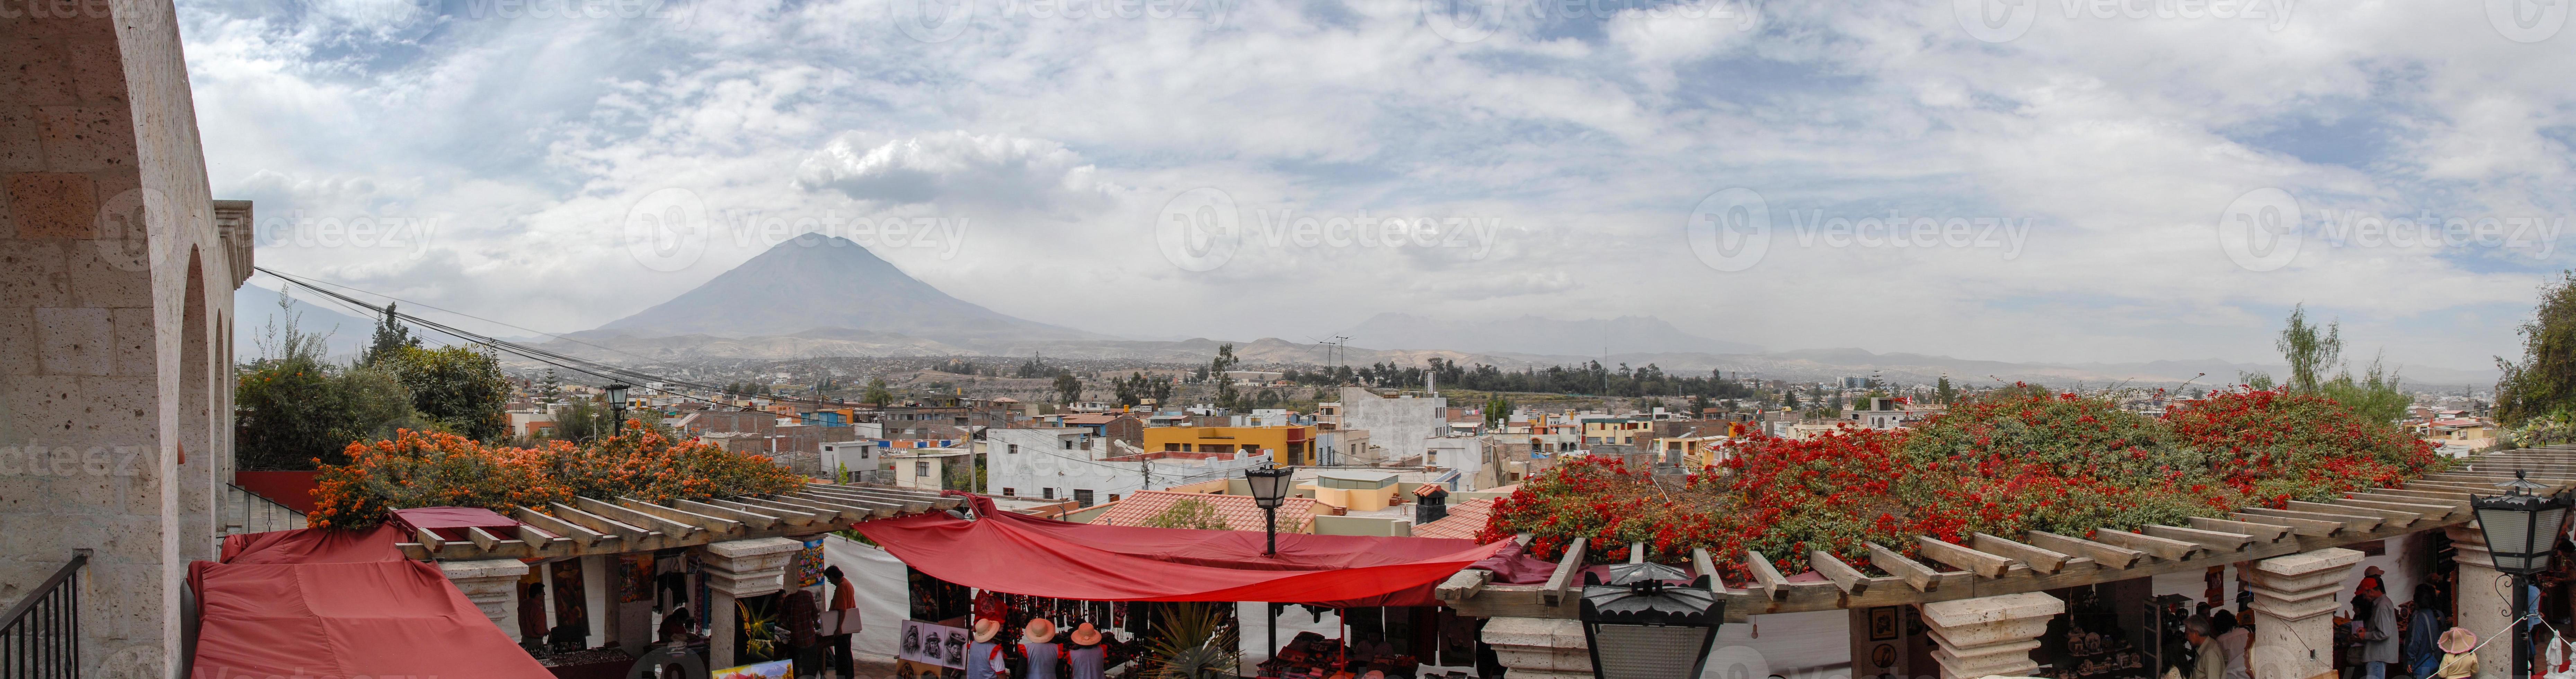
2522	530
1269	491
616	408
1646	623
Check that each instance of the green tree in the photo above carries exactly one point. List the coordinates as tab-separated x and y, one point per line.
2544	381
461	389
391	335
878	395
1187	513
1497	410
293	408
2311	350
1068	388
1943	392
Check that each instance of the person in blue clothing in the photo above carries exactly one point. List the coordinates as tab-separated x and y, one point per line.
1086	655
1037	644
2424	633
984	658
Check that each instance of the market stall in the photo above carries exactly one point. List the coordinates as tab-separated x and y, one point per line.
1135	585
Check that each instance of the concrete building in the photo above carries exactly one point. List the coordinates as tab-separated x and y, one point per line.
1286	445
117	272
932	469
1402	425
1063	463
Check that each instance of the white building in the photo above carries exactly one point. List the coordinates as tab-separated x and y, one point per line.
1069	463
1404	426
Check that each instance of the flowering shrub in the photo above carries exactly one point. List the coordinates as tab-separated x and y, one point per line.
2058	463
417	469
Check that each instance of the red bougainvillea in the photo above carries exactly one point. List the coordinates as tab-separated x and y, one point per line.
2063	463
416	469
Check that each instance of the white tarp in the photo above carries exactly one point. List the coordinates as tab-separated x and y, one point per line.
884	593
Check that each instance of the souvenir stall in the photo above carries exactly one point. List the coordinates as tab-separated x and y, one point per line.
2114	630
1040	591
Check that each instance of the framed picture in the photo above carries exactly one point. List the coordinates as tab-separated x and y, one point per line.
1882	623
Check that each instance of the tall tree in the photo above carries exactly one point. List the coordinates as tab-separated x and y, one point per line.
1068	388
292	409
878	395
461	389
2544	381
391	335
2309	349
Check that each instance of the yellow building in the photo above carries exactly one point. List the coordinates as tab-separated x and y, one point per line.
1616	430
1286	445
1355	490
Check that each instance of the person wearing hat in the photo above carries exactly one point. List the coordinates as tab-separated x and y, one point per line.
2460	654
984	658
2378	630
1037	644
1087	657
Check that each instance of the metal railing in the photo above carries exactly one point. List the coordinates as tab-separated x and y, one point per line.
40	638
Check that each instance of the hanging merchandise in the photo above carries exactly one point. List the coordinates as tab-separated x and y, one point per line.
634	578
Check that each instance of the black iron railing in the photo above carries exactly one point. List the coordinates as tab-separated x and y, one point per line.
40	636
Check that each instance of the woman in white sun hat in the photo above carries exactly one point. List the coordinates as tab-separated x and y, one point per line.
1037	644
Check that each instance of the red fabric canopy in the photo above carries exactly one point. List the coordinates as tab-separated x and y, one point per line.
450	522
1019	554
340	604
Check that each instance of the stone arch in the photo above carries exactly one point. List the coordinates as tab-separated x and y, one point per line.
194	477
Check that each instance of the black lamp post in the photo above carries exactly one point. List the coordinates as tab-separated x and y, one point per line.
616	408
1651	621
1269	491
2522	530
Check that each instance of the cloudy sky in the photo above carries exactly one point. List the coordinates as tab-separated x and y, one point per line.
2063	180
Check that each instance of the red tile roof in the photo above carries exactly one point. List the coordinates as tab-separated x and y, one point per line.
1237	510
1465	520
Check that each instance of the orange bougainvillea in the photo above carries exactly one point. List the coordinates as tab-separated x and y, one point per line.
430	469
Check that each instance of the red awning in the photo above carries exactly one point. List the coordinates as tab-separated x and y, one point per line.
450	522
327	603
1019	554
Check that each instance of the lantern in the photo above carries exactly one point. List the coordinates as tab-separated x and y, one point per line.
1651	621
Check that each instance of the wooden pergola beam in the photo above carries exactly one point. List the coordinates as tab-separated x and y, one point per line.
2105	554
2393	518
1922	578
2352	522
630	515
1843	575
2040	560
1970	560
2215	541
1766	577
2162	548
2308	527
629	532
2262	532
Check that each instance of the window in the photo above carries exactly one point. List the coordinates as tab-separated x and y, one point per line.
921	468
1171	447
1082	497
1113	497
1015	449
1010	492
1068	444
1049	493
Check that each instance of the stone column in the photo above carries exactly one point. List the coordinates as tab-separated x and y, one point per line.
1540	648
2485	597
1989	635
2294	605
739	569
493	586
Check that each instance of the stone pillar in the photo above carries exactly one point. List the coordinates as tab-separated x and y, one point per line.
1540	648
493	586
2485	597
739	569
2294	605
599	586
1989	635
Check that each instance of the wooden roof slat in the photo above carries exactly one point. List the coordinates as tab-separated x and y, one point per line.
637	517
2262	532
933	499
1970	560
2426	493
871	508
743	516
1766	577
1565	579
1915	574
546	545
2354	522
2040	560
2220	542
820	513
1843	575
2162	548
630	532
1701	562
2308	527
560	527
2104	554
2394	518
907	505
2432	511
711	524
430	541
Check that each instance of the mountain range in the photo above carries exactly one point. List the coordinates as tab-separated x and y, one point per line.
819	296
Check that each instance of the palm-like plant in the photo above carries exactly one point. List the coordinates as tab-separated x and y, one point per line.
1195	643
